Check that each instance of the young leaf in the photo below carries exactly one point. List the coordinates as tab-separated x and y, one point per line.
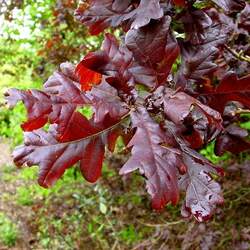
87	77
183	109
113	61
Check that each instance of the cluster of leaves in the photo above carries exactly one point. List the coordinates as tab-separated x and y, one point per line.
164	115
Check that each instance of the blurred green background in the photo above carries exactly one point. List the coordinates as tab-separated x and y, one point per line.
114	213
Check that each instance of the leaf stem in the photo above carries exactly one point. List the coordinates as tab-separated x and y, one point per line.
167	224
239	55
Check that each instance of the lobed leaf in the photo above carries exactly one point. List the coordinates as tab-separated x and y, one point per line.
98	15
202	192
112	61
155	49
234	139
231	5
231	88
197	63
105	101
244	18
55	104
158	163
196	23
183	109
83	141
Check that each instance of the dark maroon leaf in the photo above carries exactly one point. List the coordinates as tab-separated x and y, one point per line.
244	18
82	142
183	109
158	163
117	62
147	10
202	192
99	15
230	5
233	139
172	51
148	43
105	101
155	49
196	65
230	88
220	31
56	104
196	23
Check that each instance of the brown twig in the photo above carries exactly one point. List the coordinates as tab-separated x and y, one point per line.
239	55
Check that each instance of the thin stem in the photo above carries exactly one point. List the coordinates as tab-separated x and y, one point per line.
239	55
167	224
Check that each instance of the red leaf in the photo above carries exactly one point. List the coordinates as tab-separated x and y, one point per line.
113	61
181	3
56	104
37	103
87	77
91	163
54	157
230	88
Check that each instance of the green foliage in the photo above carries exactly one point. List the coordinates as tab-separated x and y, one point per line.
129	234
8	231
9	124
208	152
